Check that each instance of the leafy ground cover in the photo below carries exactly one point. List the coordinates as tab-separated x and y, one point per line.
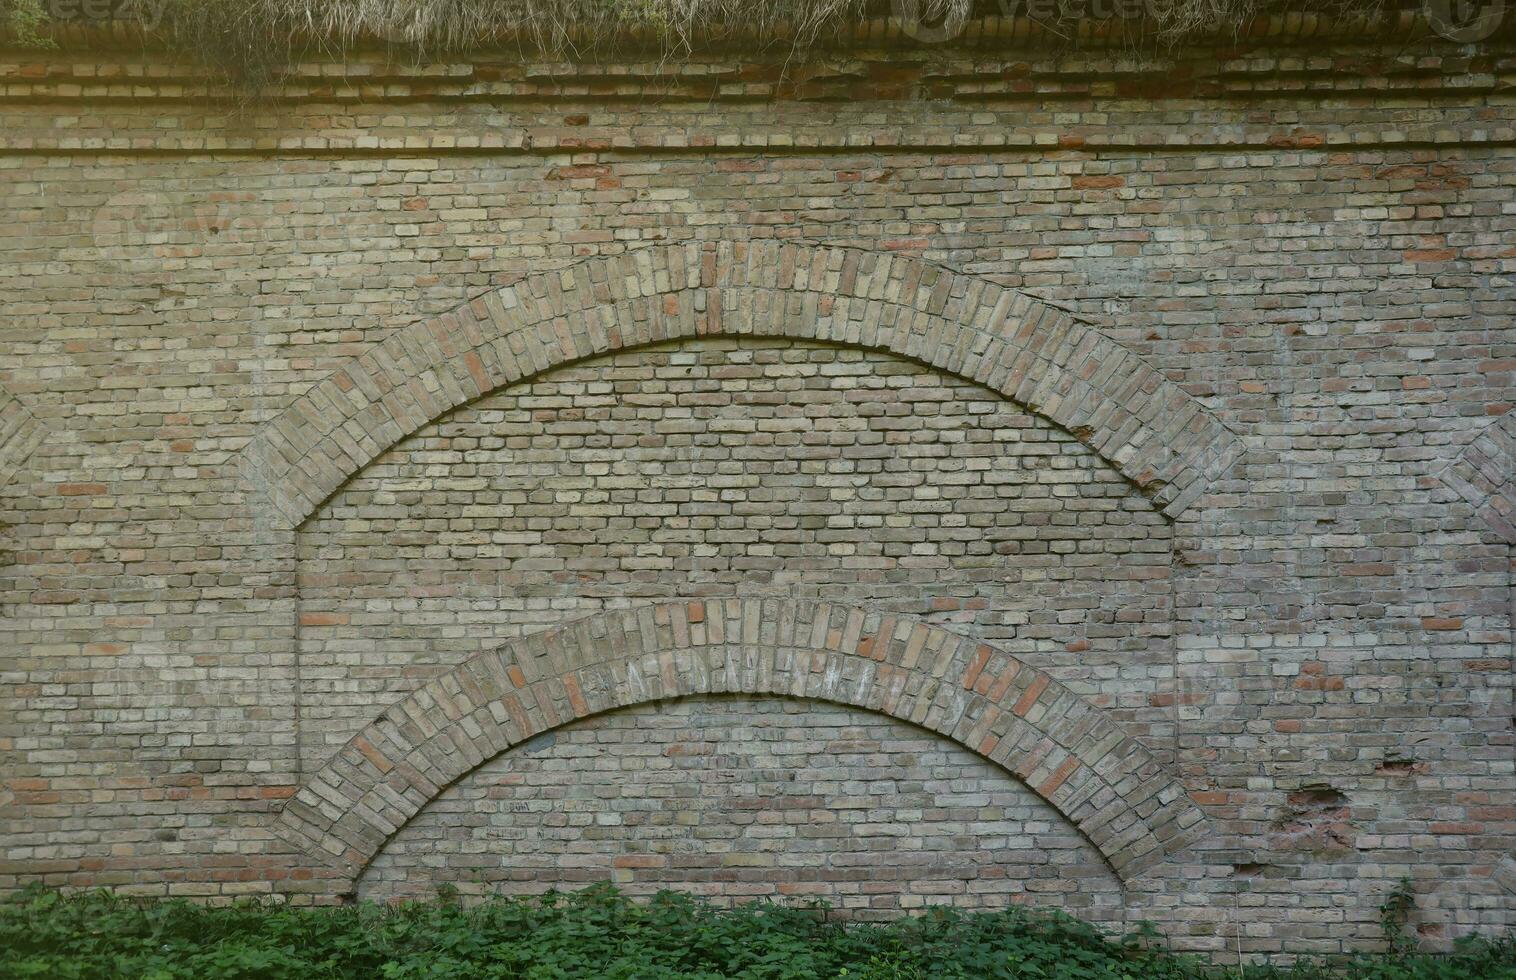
601	934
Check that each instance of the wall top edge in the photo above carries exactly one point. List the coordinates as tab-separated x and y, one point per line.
1291	22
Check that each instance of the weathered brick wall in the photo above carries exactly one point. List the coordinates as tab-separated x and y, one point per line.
1122	443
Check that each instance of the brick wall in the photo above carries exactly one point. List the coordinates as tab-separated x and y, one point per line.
1120	444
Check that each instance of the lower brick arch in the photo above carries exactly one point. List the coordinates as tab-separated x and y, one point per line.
739	797
1098	777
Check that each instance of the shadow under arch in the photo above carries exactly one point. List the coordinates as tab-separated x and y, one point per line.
1062	747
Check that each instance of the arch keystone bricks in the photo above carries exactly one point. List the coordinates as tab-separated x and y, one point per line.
1065	749
1147	427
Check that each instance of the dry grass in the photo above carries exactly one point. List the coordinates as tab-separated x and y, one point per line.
561	25
252	38
569	26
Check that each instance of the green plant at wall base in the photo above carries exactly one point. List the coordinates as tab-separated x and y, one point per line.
599	933
1394	913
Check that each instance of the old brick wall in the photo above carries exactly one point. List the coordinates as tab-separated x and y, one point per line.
1081	479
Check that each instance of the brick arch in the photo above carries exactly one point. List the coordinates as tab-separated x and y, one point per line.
1065	749
1484	474
20	434
1147	427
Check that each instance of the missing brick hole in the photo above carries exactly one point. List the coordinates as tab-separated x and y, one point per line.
1314	819
1249	869
1399	766
1317	797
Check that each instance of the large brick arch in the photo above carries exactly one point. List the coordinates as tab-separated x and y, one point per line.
1484	474
1148	428
1062	747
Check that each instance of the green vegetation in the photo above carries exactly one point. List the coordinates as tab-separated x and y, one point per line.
601	934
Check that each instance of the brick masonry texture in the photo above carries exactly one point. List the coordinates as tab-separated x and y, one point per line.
1080	478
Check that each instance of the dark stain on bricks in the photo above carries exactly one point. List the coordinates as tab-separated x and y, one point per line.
1396	766
540	743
